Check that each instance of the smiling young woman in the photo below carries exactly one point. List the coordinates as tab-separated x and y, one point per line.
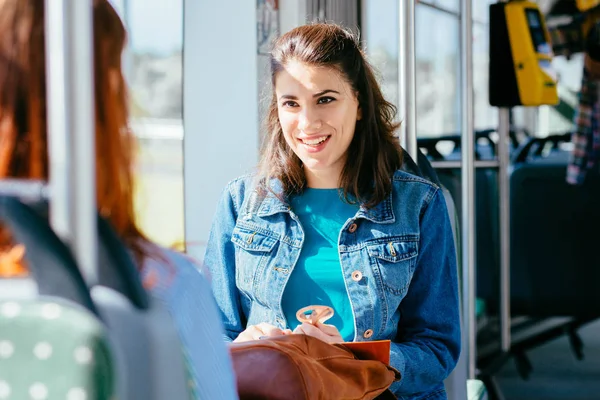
332	220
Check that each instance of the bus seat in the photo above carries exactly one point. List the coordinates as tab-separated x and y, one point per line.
155	365
51	329
486	206
132	329
554	234
139	325
53	348
458	387
455	387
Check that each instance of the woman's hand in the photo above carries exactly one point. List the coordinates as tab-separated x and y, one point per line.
324	332
261	331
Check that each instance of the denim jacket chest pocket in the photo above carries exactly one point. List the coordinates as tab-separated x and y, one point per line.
253	250
393	260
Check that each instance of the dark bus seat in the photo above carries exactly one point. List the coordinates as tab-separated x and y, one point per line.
555	231
457	385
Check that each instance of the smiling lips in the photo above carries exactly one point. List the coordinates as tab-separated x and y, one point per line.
314	142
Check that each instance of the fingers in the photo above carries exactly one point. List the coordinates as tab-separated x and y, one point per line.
259	332
326	333
250	333
330	330
311	330
269	330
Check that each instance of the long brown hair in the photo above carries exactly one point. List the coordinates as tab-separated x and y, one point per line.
23	134
374	153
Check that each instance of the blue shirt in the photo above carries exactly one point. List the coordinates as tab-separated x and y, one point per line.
317	278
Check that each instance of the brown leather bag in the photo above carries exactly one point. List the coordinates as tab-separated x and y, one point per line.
300	367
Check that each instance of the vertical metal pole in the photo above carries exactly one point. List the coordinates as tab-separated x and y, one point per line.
71	128
60	164
504	192
407	80
468	185
128	53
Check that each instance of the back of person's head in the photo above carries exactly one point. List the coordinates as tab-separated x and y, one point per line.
23	111
374	154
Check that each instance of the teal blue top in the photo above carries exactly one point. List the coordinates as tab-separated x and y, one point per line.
317	278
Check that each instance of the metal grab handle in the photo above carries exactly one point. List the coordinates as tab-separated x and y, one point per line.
71	128
24	189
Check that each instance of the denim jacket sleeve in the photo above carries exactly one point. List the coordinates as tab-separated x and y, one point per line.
427	346
220	262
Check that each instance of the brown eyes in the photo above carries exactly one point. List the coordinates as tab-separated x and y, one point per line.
321	100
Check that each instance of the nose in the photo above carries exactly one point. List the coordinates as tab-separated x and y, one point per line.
309	121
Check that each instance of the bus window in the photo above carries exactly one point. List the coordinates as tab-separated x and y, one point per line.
381	18
438	78
154	73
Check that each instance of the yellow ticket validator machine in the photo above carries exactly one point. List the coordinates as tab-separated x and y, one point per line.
584	5
521	72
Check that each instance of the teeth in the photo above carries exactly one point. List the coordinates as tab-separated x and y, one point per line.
314	141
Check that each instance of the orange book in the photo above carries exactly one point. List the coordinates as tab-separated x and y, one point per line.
378	350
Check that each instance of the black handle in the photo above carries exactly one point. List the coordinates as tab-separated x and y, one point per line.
429	143
538	144
523	151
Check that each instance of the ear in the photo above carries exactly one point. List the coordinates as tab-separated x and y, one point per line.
359	111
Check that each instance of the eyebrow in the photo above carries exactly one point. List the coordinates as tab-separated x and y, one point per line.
292	97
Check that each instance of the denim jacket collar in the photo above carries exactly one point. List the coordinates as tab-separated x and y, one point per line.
270	203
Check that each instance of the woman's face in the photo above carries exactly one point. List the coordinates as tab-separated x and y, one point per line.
317	111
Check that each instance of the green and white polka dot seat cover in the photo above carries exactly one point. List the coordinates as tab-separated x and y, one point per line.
52	349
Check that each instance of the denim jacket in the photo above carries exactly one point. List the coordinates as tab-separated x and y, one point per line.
398	260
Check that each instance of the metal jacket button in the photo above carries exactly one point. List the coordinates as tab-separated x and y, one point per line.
352	228
368	333
357	276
